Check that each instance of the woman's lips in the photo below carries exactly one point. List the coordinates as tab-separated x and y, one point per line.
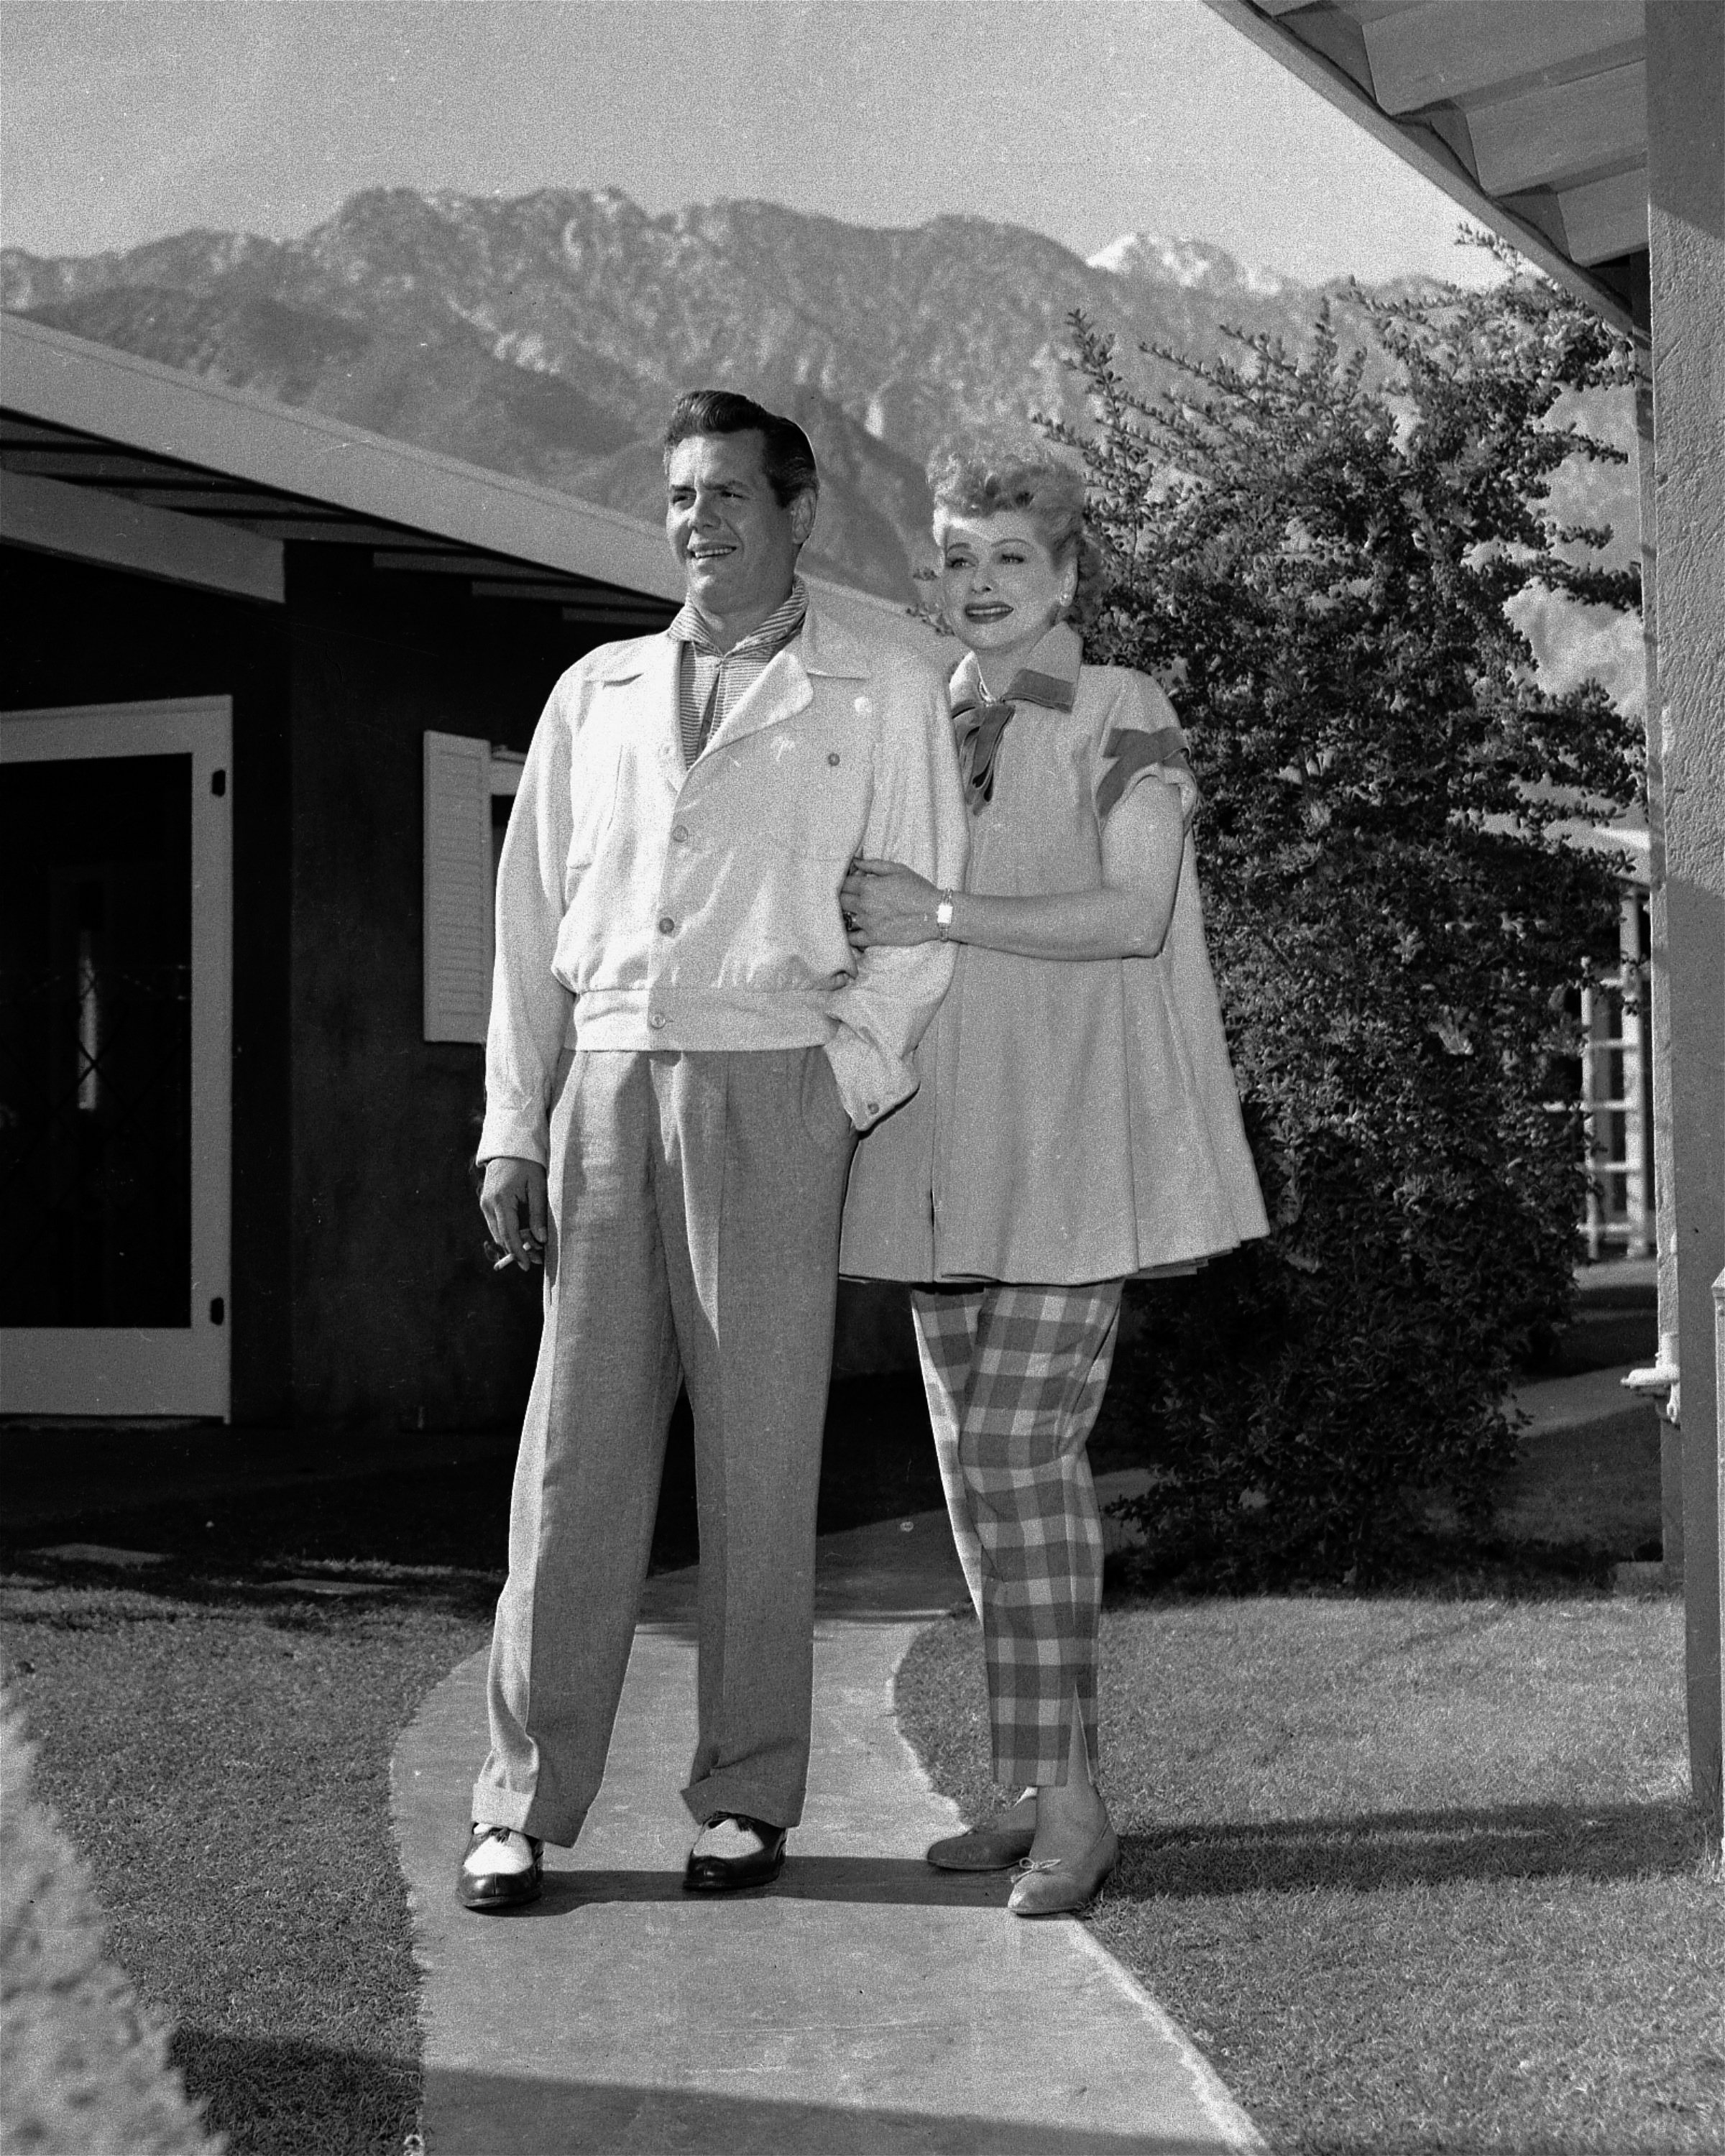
987	613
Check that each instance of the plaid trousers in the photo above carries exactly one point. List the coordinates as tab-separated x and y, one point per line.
1015	1376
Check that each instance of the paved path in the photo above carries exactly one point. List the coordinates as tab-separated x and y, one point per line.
865	2006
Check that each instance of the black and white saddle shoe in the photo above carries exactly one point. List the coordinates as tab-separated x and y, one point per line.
742	1852
502	1870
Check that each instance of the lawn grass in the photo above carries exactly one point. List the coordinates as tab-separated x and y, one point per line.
219	1753
1419	1874
216	1742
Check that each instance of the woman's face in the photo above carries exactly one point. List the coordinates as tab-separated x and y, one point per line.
1001	586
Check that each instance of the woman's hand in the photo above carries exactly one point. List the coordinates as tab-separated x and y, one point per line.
884	903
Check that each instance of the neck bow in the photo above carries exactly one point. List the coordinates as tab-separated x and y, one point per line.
980	722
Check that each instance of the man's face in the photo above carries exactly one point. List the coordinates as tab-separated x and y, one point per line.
736	547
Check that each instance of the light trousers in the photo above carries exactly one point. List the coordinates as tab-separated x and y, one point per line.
694	1209
1015	1376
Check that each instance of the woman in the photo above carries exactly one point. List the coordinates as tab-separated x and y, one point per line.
1076	1124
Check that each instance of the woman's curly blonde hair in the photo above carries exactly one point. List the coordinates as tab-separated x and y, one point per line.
984	480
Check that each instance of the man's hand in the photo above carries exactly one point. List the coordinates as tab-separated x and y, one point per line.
514	1188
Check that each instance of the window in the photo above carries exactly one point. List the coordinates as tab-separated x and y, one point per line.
469	788
1617	1097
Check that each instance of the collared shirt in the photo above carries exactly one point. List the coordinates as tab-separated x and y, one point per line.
711	681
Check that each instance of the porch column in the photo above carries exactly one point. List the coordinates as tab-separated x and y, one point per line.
1685	131
1655	1382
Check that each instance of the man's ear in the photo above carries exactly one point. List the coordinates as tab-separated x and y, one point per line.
803	510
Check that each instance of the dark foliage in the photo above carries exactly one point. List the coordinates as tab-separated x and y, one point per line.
1315	552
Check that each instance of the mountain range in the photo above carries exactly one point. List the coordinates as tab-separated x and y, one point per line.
546	336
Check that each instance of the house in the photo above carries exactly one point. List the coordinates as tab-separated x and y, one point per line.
1591	133
266	695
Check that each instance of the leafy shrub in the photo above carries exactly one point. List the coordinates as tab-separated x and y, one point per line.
84	2071
1316	552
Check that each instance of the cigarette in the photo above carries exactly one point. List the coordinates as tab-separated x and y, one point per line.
502	1264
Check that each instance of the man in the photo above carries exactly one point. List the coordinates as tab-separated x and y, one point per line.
682	1035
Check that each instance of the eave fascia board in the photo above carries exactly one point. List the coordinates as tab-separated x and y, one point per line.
46	374
84	524
1421	148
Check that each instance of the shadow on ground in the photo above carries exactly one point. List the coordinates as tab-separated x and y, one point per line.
1370	1851
567	2118
897	1881
227	1500
281	2097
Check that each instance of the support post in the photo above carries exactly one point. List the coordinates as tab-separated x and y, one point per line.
1658	1382
1686	135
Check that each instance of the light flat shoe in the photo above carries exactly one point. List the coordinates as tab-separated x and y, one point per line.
1056	1885
996	1846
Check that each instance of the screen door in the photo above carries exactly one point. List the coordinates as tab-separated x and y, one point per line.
114	1043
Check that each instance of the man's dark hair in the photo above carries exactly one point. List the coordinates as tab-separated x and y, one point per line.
786	456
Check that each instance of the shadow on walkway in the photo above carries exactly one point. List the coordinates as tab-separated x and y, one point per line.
890	1881
581	2119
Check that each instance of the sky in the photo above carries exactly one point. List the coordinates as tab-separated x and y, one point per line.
122	120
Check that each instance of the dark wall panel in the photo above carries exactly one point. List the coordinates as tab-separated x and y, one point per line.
397	1313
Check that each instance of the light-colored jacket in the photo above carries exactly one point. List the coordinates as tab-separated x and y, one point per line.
642	906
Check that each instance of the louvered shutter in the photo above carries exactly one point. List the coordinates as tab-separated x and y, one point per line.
458	887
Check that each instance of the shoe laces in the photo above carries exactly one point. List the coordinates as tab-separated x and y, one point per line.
503	1833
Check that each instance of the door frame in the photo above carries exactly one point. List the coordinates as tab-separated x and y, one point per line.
126	1371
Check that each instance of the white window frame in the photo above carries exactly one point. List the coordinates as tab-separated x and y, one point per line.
155	1370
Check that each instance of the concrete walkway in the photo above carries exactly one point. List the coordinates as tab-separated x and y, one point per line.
865	2006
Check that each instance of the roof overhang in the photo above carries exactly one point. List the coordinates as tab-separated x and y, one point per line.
1530	115
79	414
203	483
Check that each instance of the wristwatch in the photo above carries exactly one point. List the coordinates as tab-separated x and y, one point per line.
943	914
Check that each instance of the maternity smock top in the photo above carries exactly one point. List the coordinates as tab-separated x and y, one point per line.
1073	1120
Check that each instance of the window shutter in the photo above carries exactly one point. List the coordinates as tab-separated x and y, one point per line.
458	887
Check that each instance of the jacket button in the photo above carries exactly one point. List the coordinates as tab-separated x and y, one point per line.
655	1019
833	757
666	925
680	832
873	1107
